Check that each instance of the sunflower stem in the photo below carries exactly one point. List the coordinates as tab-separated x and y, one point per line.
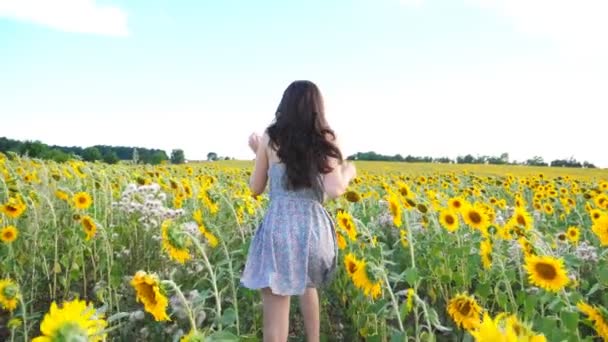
24	314
394	301
218	302
181	296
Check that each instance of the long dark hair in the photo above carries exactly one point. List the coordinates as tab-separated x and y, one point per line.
299	135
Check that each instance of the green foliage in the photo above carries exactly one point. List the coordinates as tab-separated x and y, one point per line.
178	157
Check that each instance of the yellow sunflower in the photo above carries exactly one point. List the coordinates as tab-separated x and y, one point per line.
74	321
395	208
546	272
9	295
600	228
403	237
485	251
14	208
456	203
465	311
149	293
345	221
89	226
595	316
9	234
501	329
522	218
341	241
193	336
62	195
175	242
448	219
82	200
596	214
601	201
476	217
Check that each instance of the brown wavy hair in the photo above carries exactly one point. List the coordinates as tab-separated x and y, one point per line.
300	133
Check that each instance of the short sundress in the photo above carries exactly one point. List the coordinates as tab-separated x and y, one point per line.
295	245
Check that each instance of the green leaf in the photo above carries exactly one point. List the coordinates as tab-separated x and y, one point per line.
483	290
411	276
399	337
570	320
222	336
594	289
229	317
603	275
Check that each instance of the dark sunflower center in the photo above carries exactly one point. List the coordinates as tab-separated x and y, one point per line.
147	292
457	204
546	271
11	208
572	233
82	200
8	235
465	308
475	217
449	219
352	267
521	220
88	225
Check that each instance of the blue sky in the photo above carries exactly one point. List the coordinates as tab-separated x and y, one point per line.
421	77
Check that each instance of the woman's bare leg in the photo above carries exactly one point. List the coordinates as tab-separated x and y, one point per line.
276	316
309	304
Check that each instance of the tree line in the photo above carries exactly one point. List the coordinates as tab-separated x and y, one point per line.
104	153
503	159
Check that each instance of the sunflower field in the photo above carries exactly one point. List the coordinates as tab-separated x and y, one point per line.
428	252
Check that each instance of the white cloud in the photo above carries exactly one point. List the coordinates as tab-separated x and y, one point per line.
578	27
82	16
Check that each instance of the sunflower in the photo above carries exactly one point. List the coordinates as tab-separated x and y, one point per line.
522	218
62	195
341	241
82	200
193	336
352	196
422	208
546	272
149	292
175	242
211	239
465	311
448	219
500	329
601	201
395	208
9	295
548	208
14	208
403	237
351	264
456	203
476	217
485	251
595	316
600	228
345	221
9	234
75	321
89	226
596	214
404	190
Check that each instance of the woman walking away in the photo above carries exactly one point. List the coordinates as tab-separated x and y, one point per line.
294	250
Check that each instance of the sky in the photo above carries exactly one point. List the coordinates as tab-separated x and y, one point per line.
419	77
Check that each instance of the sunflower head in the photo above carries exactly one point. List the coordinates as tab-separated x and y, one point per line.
9	294
149	293
9	234
465	311
89	226
600	228
449	220
352	196
13	208
82	200
74	321
546	272
175	241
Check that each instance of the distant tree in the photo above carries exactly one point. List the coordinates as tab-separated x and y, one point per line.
91	154
57	155
211	156
33	149
177	157
536	161
505	158
111	157
158	157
